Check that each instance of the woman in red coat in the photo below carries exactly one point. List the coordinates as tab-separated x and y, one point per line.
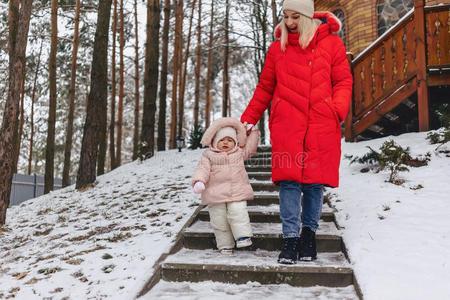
307	80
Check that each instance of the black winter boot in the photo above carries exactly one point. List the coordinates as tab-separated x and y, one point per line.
289	250
307	250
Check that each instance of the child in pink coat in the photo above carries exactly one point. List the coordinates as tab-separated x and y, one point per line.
223	183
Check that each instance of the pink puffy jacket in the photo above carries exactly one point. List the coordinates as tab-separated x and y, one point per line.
224	173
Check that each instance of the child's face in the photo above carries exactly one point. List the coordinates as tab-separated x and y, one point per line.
226	144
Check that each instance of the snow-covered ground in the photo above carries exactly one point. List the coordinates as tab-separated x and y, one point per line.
102	243
398	237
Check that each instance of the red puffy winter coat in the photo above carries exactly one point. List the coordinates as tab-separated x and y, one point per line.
310	92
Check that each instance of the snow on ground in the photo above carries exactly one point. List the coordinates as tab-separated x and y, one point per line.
398	237
101	243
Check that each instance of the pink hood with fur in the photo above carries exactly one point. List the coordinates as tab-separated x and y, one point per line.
224	173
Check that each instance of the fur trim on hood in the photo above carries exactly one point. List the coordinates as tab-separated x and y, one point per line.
209	134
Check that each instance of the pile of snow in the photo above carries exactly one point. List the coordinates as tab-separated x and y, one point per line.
101	243
398	237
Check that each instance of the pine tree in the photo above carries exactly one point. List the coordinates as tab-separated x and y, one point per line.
163	82
209	70
121	86
150	78
198	64
195	137
97	105
136	84
19	21
50	148
69	134
112	126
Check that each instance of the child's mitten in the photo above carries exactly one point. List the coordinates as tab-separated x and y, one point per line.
199	187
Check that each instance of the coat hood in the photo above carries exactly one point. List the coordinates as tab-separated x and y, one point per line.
209	134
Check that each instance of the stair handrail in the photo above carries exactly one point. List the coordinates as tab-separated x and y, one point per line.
390	32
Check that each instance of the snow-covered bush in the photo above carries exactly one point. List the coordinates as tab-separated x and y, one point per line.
392	157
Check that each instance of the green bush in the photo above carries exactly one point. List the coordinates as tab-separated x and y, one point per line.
392	157
195	137
144	152
442	135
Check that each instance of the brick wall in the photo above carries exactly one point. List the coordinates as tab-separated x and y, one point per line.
361	19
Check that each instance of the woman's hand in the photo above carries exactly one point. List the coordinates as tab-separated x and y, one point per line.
248	127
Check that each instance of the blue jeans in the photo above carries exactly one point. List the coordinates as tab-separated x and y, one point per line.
310	206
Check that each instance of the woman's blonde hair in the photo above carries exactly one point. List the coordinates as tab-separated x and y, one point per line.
306	28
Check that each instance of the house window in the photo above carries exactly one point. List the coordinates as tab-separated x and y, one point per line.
339	13
390	11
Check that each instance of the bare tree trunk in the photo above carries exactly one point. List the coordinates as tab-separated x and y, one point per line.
150	78
121	86
50	148
176	69
73	76
198	64
18	20
112	126
226	80
209	72
18	137
97	104
136	85
163	86
260	34
33	97
103	145
274	15
184	73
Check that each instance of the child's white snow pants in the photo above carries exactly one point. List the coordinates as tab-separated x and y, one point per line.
230	222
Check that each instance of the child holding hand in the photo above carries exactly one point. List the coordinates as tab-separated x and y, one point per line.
223	183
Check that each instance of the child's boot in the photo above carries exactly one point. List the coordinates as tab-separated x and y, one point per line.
243	242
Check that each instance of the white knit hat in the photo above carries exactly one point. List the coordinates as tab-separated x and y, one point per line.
304	7
223	132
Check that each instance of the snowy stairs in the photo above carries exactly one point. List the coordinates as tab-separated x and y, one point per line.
196	270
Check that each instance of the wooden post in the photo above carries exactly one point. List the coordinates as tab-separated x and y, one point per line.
421	58
348	132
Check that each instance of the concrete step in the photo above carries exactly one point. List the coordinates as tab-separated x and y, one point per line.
264	186
264	199
266	176
264	148
269	214
267	198
330	269
266	236
166	290
262	155
259	161
251	168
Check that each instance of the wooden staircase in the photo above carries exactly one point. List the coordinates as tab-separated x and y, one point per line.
394	75
194	258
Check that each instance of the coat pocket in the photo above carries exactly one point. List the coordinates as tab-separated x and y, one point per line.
334	113
273	110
